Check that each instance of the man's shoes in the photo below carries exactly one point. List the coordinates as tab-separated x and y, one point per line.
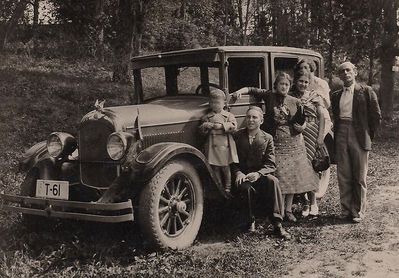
281	232
305	211
344	217
357	220
314	210
251	228
290	216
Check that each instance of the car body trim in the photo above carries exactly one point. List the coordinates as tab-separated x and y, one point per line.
57	208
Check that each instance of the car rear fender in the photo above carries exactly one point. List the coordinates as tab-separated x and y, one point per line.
153	158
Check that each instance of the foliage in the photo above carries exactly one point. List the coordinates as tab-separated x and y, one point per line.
115	30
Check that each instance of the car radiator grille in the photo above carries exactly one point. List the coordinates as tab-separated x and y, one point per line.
97	169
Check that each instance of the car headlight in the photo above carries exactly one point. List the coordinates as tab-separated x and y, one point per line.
118	143
61	144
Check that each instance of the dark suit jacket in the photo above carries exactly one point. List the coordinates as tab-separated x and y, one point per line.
366	113
256	157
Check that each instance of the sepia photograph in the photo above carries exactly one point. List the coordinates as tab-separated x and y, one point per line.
206	138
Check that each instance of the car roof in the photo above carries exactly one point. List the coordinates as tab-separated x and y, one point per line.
211	54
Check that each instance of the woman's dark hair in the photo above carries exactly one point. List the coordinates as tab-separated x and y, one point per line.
281	76
298	74
311	63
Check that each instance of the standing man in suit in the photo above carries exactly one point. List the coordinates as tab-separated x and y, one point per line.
357	116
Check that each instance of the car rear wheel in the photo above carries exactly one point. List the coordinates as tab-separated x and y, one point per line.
171	206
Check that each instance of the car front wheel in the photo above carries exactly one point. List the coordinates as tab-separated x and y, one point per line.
171	206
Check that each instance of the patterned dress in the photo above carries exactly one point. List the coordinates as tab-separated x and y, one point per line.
294	171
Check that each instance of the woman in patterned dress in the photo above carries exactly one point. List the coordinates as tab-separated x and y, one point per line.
294	171
313	134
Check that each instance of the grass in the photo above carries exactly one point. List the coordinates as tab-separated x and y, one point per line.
38	96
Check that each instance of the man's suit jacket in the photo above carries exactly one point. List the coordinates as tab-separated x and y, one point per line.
366	113
256	157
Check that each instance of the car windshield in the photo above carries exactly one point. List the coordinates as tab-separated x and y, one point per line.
179	79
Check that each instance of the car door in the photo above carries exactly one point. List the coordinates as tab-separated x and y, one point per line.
246	70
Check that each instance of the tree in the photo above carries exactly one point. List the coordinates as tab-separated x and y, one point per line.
35	22
389	49
98	26
245	12
11	20
128	42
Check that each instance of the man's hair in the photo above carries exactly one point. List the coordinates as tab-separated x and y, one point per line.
281	76
257	109
347	63
217	94
311	63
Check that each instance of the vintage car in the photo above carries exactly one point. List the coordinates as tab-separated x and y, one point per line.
143	161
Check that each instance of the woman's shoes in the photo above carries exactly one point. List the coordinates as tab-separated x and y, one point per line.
290	216
305	211
314	210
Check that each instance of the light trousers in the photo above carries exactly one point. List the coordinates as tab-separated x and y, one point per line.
352	165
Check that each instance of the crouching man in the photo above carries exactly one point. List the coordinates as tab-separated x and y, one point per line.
256	165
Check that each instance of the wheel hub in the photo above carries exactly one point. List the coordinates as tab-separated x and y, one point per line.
177	206
181	206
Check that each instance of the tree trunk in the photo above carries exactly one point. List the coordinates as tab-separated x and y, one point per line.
387	57
35	23
99	27
226	15
123	45
130	32
10	25
331	44
138	25
371	66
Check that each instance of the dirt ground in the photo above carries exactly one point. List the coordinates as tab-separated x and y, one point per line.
369	249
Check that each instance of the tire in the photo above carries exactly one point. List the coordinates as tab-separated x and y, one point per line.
171	206
323	183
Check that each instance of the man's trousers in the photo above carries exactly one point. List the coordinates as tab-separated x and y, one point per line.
352	165
268	191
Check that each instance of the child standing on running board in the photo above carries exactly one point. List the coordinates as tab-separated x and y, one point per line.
220	148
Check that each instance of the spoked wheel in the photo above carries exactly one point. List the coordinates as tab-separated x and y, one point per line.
171	206
323	183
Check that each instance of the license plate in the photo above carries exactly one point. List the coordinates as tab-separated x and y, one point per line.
52	189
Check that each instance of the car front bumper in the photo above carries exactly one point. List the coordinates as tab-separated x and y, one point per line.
87	211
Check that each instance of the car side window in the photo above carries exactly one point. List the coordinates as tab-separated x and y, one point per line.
287	64
153	80
188	79
245	72
284	64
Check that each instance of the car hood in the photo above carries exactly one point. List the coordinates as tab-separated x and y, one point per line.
167	110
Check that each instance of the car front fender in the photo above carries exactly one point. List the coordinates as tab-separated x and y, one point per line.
153	158
149	161
32	156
